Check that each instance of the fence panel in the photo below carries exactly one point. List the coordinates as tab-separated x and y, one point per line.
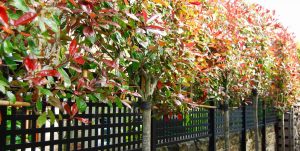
111	128
115	129
171	130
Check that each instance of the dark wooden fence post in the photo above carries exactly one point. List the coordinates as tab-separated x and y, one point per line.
263	129
3	110
212	127
153	134
244	129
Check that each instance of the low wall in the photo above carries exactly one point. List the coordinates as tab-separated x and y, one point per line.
297	127
235	142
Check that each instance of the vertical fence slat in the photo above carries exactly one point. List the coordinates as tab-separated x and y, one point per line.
23	126
212	128
33	130
153	135
3	113
13	125
97	127
52	133
244	129
263	129
42	135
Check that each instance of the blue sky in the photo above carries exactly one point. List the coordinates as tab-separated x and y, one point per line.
287	11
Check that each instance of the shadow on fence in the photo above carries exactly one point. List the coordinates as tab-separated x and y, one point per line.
118	128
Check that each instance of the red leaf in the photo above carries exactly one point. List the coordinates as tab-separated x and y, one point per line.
250	20
74	109
19	98
277	25
45	73
86	7
39	81
110	63
25	19
83	120
107	10
79	60
88	31
195	3
179	116
191	44
7	30
145	15
30	64
81	83
136	94
67	108
126	2
73	2
77	93
25	34
159	85
154	27
111	23
3	15
73	47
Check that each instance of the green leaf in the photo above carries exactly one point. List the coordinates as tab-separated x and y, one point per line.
42	119
51	116
2	83
110	104
11	97
63	73
55	102
45	91
21	5
39	105
60	117
2	89
14	14
99	96
10	63
52	24
118	102
93	98
7	46
81	104
42	25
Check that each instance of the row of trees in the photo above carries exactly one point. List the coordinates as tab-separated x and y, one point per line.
173	55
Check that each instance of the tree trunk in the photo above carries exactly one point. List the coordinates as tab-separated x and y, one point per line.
146	130
255	106
226	127
282	132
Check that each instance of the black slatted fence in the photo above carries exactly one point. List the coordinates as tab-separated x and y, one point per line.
110	128
210	123
119	129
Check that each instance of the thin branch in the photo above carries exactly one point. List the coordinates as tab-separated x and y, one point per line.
16	104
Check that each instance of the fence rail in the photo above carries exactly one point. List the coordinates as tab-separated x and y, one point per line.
118	129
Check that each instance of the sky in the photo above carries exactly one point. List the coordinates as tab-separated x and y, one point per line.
287	12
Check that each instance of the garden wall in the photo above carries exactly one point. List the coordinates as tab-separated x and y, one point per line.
235	141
